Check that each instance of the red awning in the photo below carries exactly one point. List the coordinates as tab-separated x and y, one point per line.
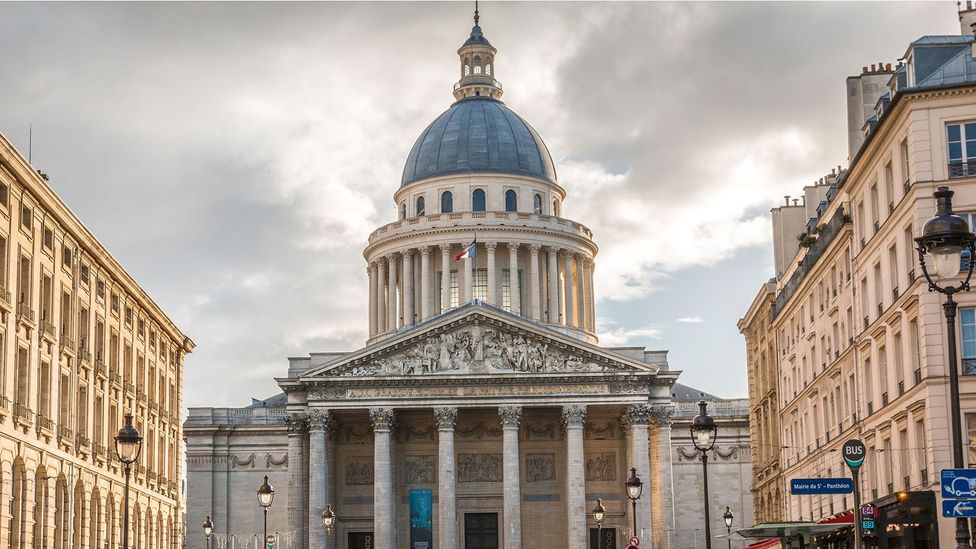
764	544
842	519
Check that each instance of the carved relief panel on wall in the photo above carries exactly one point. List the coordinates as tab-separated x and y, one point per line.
540	467
479	467
601	467
359	471
419	469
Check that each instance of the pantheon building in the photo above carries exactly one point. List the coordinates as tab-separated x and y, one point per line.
481	412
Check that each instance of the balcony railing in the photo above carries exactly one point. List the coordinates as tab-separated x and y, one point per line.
870	408
101	370
48	329
901	388
66	342
25	313
44	422
115	378
142	398
84	355
23	413
65	433
884	399
129	387
5	295
154	408
866	323
880	309
4	404
99	450
894	293
911	276
962	169
82	441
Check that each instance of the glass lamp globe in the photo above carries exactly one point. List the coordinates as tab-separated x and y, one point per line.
703	429
599	513
945	236
128	442
947	261
208	527
328	517
265	493
634	485
728	516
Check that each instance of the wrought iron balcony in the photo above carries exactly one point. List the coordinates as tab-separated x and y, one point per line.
918	375
4	405
48	330
129	387
25	313
5	295
44	422
901	388
962	169
154	408
82	441
65	433
99	450
101	370
884	399
880	309
84	355
143	398
67	343
22	413
115	378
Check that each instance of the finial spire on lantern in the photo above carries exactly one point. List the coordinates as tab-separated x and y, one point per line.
477	65
476	16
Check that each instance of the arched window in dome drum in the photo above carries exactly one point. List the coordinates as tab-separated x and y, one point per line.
403	210
467	70
447	202
555	208
488	69
537	204
420	206
478	200
511	201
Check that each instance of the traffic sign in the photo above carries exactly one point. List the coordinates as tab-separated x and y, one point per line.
854	453
635	541
869	510
958	508
959	483
867	524
802	486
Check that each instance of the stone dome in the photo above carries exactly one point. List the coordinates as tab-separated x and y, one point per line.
478	135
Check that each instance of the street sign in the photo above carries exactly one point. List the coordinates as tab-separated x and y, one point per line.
854	453
803	486
867	524
868	515
635	541
958	508
869	510
959	483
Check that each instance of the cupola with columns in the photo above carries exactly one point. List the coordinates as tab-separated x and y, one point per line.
480	173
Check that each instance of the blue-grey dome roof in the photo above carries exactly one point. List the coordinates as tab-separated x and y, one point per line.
477	135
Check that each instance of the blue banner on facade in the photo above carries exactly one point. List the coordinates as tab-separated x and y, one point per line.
421	519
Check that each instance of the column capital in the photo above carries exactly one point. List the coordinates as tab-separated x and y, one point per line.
566	253
574	415
638	414
490	246
392	256
534	248
424	251
446	248
382	418
513	246
446	418
662	416
553	250
296	422
319	420
408	252
372	266
578	256
510	416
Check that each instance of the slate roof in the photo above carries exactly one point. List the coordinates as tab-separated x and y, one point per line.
478	135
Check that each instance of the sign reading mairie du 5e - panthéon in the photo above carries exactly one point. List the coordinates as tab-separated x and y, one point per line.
802	486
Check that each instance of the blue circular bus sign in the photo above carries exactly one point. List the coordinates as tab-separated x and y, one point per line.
854	453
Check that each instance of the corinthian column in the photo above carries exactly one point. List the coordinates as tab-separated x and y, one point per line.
492	285
446	504
371	273
445	277
512	494
553	285
580	293
381	296
425	281
515	297
638	416
296	486
318	474
384	510
569	291
592	295
393	309
468	279
573	418
534	274
662	515
408	288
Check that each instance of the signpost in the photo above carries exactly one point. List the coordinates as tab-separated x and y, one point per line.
958	493
634	542
806	486
854	453
869	514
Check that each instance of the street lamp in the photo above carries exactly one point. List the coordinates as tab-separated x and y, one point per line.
328	519
128	444
945	236
703	433
634	489
599	513
728	516
265	499
208	529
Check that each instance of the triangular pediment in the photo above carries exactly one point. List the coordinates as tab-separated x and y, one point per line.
479	340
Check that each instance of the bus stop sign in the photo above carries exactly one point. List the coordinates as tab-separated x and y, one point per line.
854	453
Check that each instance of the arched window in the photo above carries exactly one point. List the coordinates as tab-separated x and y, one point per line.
467	70
478	200
555	208
488	69
420	206
511	201
477	69
403	210
537	204
447	202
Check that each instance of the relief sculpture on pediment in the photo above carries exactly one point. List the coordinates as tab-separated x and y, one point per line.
476	350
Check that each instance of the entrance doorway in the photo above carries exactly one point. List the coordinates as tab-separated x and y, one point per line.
361	540
607	538
481	531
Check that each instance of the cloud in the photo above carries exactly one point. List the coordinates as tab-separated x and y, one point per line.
691	319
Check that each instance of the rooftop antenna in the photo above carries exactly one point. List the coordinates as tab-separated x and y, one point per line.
476	16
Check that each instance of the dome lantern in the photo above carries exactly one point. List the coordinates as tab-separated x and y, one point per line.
477	57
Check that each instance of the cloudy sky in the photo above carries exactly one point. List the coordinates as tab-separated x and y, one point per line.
235	157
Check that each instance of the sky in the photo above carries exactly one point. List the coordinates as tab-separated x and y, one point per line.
235	156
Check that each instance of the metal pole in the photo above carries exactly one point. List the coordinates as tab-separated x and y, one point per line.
634	502
728	530
599	534
265	538
708	526
858	542
125	514
962	524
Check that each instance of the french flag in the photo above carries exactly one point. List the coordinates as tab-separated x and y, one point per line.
468	251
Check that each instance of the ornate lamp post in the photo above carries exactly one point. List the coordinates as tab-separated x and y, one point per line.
265	499
728	516
703	433
944	237
128	444
599	513
208	529
634	489
328	519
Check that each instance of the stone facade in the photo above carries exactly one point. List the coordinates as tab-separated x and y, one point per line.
81	344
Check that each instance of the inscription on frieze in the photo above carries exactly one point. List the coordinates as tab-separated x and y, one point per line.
540	467
420	469
485	390
479	467
601	467
359	472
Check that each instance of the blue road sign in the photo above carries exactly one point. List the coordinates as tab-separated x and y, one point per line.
958	508
867	524
802	486
959	483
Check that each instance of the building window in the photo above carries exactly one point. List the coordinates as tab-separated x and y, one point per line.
537	204
447	202
403	210
85	274
4	195
555	208
66	257
128	316
478	200
48	239
967	325
962	149
420	206
511	201
479	285
455	290
26	217
507	290
904	164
